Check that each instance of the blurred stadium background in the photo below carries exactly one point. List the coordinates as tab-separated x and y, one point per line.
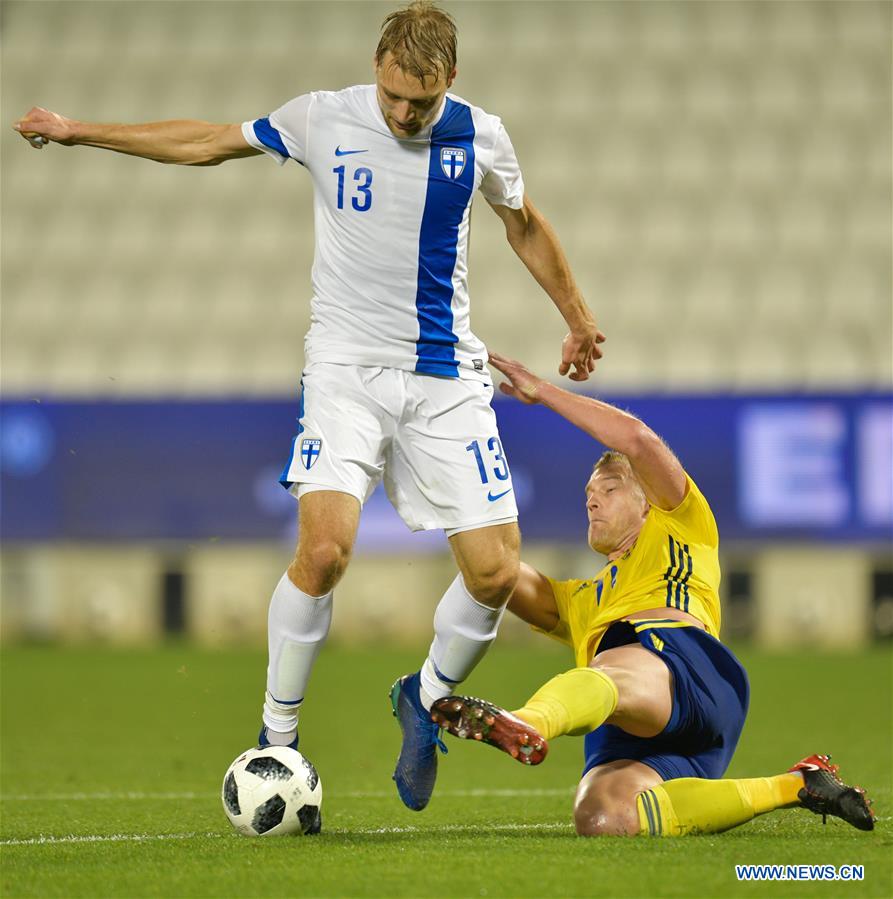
720	176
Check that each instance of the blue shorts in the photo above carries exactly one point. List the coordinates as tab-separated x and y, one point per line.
710	698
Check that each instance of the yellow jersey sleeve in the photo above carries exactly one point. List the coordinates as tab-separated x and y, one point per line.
692	520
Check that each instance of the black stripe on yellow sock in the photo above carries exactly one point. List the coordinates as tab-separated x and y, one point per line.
646	804
660	821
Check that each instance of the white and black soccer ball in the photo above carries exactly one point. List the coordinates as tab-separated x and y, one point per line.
270	791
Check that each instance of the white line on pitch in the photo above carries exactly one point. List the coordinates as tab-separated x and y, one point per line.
374	794
159	837
457	828
107	838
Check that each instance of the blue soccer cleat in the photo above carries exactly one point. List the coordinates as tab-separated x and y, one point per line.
416	769
263	742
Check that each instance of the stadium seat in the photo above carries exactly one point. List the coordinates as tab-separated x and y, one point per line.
727	175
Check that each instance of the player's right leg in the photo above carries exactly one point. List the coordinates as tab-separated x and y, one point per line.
627	686
301	607
335	463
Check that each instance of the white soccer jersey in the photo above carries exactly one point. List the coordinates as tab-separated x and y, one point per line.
392	223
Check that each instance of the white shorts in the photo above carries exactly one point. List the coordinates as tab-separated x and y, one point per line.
433	440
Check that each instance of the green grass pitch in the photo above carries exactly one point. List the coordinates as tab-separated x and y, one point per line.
112	762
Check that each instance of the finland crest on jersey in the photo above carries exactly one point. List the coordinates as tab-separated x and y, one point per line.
392	220
452	161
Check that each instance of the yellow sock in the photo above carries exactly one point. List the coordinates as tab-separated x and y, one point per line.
691	805
575	702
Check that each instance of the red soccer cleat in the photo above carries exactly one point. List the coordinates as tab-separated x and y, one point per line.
826	794
475	719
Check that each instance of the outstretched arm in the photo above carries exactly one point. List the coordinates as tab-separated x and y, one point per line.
532	237
658	471
182	142
533	599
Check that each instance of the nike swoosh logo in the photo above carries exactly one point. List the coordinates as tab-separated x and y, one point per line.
340	152
498	495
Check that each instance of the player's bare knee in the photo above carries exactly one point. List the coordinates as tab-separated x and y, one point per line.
598	816
317	568
593	818
494	587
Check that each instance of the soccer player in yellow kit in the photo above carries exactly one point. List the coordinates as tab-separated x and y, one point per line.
662	702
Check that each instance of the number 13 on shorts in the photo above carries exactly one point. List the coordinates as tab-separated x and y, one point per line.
492	466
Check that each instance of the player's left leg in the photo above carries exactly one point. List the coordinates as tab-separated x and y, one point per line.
605	803
446	469
465	624
625	797
468	614
693	805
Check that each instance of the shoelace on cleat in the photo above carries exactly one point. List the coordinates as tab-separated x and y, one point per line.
435	734
435	728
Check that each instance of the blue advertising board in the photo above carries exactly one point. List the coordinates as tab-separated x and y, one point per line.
794	467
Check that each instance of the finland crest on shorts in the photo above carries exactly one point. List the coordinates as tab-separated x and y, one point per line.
452	161
310	450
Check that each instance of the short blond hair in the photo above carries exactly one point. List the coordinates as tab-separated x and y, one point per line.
422	39
612	457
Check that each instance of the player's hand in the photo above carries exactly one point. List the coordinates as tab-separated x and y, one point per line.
581	350
522	383
41	123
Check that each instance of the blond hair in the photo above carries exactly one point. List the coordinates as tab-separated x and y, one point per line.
422	39
612	457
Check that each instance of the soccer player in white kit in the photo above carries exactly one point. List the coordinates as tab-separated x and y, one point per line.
395	385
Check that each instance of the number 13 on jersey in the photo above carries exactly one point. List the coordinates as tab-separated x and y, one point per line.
500	466
361	200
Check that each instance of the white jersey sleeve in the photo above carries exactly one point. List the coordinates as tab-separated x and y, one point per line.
503	185
283	134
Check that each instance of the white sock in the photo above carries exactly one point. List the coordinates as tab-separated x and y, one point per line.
296	630
463	631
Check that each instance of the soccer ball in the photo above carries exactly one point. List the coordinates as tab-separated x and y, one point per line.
270	791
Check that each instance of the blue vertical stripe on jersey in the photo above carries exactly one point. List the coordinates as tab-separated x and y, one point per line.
270	137
669	571
686	577
445	204
283	478
677	575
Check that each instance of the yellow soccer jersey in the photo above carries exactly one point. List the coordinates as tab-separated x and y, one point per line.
674	563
